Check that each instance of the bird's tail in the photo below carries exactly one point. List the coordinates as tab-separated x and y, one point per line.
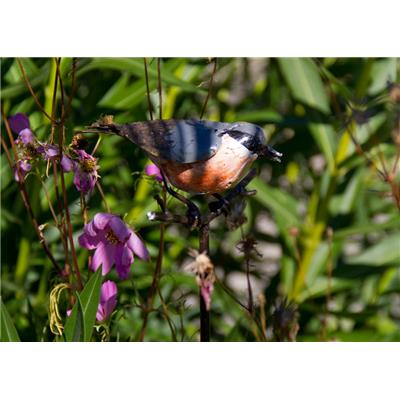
104	125
107	125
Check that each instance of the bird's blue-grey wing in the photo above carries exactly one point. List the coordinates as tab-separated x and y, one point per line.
181	141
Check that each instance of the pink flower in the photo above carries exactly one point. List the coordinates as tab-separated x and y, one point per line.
25	137
108	300
49	151
18	122
67	163
153	170
206	289
115	243
86	175
23	166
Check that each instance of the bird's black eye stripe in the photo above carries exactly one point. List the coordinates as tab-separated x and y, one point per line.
249	141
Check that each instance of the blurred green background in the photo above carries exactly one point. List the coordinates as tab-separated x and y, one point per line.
326	223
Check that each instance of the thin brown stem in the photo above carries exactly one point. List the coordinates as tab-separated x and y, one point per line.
157	271
96	146
61	138
73	87
146	74
249	288
99	188
59	224
23	192
46	193
210	85
159	88
69	228
58	73
84	209
204	247
29	86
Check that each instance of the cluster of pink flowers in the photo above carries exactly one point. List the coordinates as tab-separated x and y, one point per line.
114	242
81	163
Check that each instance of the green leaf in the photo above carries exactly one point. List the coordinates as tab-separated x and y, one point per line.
303	79
321	286
8	333
346	202
79	325
382	72
278	202
385	252
324	136
367	228
136	67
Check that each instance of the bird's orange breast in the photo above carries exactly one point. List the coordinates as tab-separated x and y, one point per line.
226	168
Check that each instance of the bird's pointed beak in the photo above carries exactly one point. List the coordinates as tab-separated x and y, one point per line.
270	153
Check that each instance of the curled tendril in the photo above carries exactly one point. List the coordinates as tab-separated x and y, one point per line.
56	325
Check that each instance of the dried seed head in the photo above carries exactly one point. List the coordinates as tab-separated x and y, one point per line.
203	268
236	217
285	320
107	119
30	151
248	245
79	142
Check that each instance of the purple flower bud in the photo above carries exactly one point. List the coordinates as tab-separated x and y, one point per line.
49	151
108	300
85	172
153	170
23	166
18	122
114	242
67	163
25	137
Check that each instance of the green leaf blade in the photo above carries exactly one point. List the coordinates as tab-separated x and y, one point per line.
79	325
8	333
305	83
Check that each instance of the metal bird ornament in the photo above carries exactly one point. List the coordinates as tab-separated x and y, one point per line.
197	156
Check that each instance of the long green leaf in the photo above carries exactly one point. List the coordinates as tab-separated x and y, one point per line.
324	136
277	201
367	228
303	79
136	67
385	252
8	333
79	325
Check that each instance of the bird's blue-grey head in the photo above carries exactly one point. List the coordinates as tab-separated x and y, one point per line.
252	137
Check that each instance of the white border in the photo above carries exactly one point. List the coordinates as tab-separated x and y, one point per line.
204	28
200	371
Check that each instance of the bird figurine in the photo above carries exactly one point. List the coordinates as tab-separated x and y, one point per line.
196	156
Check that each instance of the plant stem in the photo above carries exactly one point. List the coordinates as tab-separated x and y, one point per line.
29	86
159	89
24	193
147	88
210	85
204	243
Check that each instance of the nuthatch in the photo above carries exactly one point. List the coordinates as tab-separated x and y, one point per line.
197	156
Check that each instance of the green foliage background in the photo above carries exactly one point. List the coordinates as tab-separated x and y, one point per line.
322	208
